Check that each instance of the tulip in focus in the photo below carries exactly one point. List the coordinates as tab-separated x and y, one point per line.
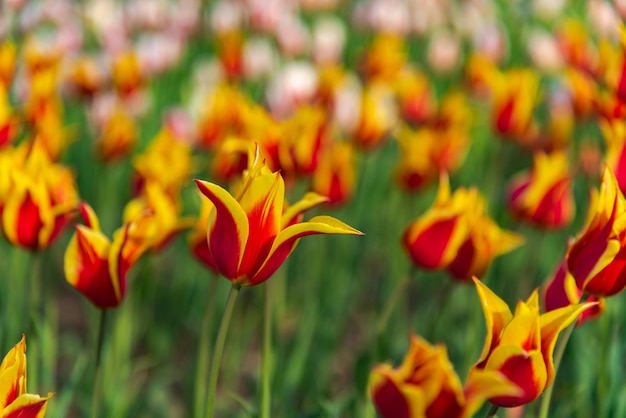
15	402
250	236
456	234
543	196
520	344
614	133
425	385
97	266
596	258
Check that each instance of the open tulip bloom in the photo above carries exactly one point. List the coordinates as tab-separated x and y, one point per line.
520	344
250	236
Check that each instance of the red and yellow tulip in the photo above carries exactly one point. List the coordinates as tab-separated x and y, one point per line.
520	345
425	385
514	96
543	196
38	198
127	73
15	402
8	56
8	122
118	137
98	267
335	176
456	234
250	236
561	291
597	257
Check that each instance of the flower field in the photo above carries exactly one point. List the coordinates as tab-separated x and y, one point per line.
312	208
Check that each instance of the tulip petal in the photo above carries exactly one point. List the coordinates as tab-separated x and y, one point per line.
12	374
228	229
485	384
287	238
525	369
395	400
89	217
497	316
27	406
310	200
552	323
262	201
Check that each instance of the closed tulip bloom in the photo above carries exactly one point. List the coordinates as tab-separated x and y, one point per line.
38	198
378	116
415	96
118	136
198	242
15	402
514	98
8	122
520	344
614	133
336	175
250	236
597	257
456	234
8	57
97	266
425	385
127	73
543	195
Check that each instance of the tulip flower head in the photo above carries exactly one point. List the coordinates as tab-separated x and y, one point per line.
98	267
520	344
543	196
597	257
425	385
455	234
14	400
250	236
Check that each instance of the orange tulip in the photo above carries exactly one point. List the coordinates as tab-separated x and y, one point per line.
98	267
520	345
15	402
127	73
250	236
543	196
426	386
597	258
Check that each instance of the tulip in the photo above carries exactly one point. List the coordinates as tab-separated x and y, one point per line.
166	161
250	236
127	73
220	112
415	96
561	291
8	55
198	238
164	222
520	344
118	137
543	196
425	385
597	257
385	58
38	198
15	402
378	116
8	122
335	177
455	234
514	98
98	267
614	132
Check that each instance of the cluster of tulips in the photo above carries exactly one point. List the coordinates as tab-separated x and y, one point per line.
277	108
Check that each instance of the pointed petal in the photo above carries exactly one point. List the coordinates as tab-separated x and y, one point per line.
497	316
13	374
27	406
485	384
89	217
228	229
287	238
310	200
552	323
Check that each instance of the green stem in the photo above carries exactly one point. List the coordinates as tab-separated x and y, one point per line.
95	397
493	410
394	298
219	348
35	317
266	388
203	352
558	356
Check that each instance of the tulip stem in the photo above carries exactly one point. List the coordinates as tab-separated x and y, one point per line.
493	410
95	399
558	356
204	351
219	348
266	388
